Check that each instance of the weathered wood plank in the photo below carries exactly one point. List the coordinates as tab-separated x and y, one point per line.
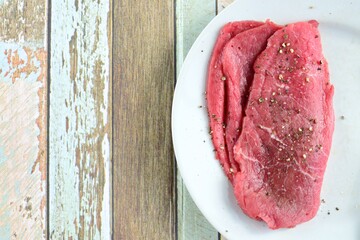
222	4
23	21
191	17
143	82
23	115
80	120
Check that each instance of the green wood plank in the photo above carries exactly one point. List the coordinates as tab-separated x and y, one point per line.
191	17
221	5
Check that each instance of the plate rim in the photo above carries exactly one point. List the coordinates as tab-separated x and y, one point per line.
181	75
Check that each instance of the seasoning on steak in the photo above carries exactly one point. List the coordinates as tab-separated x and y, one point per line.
215	91
287	131
238	58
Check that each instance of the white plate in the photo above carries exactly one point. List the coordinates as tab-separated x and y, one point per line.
340	31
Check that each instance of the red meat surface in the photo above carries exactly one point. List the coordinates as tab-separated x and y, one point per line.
215	90
238	58
286	134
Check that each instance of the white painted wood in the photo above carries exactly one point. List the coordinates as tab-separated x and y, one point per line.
80	120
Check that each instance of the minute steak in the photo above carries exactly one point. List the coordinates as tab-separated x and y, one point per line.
238	58
286	134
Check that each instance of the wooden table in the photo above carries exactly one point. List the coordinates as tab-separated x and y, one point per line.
85	101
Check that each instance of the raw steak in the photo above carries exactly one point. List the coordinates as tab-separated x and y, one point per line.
238	58
287	131
215	92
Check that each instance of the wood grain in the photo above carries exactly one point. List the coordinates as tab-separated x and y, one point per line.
191	18
143	82
80	120
23	114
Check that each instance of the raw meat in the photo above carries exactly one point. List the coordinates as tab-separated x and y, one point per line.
238	58
286	134
215	92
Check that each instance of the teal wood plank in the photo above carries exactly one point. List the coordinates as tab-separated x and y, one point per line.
191	17
80	120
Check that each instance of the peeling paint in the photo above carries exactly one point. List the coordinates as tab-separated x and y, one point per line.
79	123
73	56
22	141
23	21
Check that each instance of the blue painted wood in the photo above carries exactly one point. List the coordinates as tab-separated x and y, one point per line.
80	120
